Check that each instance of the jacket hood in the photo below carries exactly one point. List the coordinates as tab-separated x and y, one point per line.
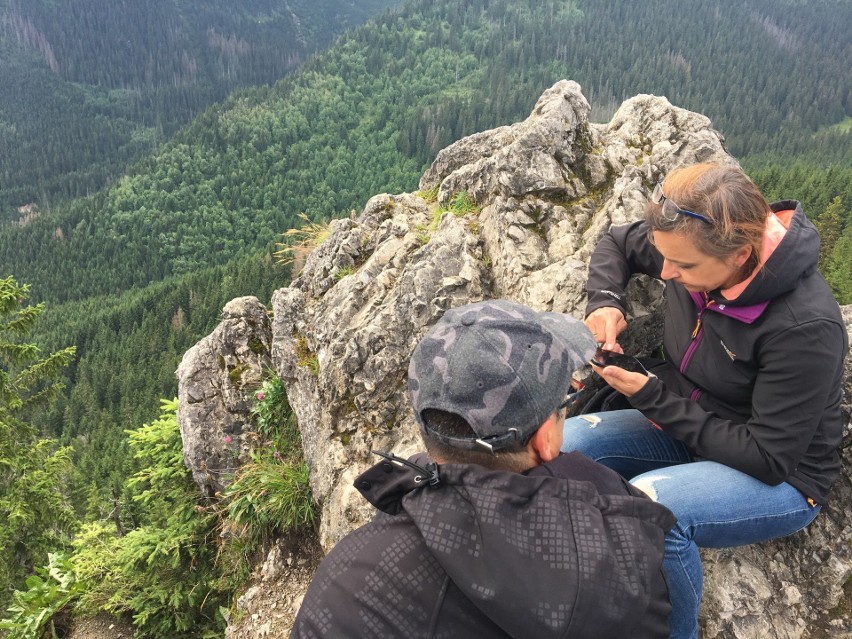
795	257
539	556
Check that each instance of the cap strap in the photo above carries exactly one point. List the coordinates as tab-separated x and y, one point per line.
492	443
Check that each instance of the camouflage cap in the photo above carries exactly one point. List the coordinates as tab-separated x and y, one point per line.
501	366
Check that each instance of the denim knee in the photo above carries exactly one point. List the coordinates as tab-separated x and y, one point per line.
624	441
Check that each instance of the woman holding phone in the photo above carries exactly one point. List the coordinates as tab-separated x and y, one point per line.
737	432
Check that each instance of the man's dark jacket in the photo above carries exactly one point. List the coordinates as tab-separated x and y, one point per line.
567	550
756	384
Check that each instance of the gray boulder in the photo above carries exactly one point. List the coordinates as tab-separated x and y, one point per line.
514	212
216	378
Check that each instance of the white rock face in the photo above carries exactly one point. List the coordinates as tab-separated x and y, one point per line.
216	378
544	191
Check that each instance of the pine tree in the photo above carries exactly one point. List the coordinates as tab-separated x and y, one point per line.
830	226
35	517
838	268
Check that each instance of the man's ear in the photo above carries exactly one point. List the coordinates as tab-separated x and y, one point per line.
542	442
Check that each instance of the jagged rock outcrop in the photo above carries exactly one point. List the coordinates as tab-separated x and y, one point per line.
215	380
544	192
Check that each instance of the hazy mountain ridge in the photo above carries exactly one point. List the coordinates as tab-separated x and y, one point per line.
370	113
92	84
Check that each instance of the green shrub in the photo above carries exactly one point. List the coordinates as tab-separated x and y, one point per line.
50	590
274	418
175	573
164	573
463	204
271	493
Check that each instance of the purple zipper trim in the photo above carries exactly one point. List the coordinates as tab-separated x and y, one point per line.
701	305
745	314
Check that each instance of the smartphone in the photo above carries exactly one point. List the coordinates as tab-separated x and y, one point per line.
609	358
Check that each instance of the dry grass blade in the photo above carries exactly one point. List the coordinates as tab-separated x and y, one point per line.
298	243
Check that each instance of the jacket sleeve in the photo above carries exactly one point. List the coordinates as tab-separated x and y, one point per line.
623	251
797	381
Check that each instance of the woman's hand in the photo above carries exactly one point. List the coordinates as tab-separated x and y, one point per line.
625	382
606	323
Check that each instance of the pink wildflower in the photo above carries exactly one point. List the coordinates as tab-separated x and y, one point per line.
260	396
227	439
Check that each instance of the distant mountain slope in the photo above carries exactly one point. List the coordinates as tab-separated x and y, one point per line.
367	115
88	85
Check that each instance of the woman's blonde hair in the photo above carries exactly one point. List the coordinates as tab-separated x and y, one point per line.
735	210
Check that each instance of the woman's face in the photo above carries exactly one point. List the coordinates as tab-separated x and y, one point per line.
694	269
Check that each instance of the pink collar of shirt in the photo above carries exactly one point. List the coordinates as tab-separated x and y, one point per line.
776	229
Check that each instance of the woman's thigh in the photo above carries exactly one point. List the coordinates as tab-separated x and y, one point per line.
623	440
719	507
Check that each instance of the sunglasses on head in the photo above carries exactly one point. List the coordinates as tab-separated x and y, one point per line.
604	358
670	210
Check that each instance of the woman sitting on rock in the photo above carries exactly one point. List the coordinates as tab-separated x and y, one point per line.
737	431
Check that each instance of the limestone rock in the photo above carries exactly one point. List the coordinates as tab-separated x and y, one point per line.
215	380
544	191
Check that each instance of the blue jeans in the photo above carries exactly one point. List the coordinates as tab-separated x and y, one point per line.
715	505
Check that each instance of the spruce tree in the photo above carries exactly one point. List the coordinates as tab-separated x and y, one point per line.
35	517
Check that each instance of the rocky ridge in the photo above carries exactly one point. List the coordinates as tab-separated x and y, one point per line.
513	212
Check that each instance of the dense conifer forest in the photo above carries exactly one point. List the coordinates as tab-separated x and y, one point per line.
368	116
135	238
90	85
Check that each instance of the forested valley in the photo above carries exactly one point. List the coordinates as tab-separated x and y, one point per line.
368	116
134	232
91	85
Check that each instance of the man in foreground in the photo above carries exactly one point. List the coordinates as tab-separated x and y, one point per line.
494	533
